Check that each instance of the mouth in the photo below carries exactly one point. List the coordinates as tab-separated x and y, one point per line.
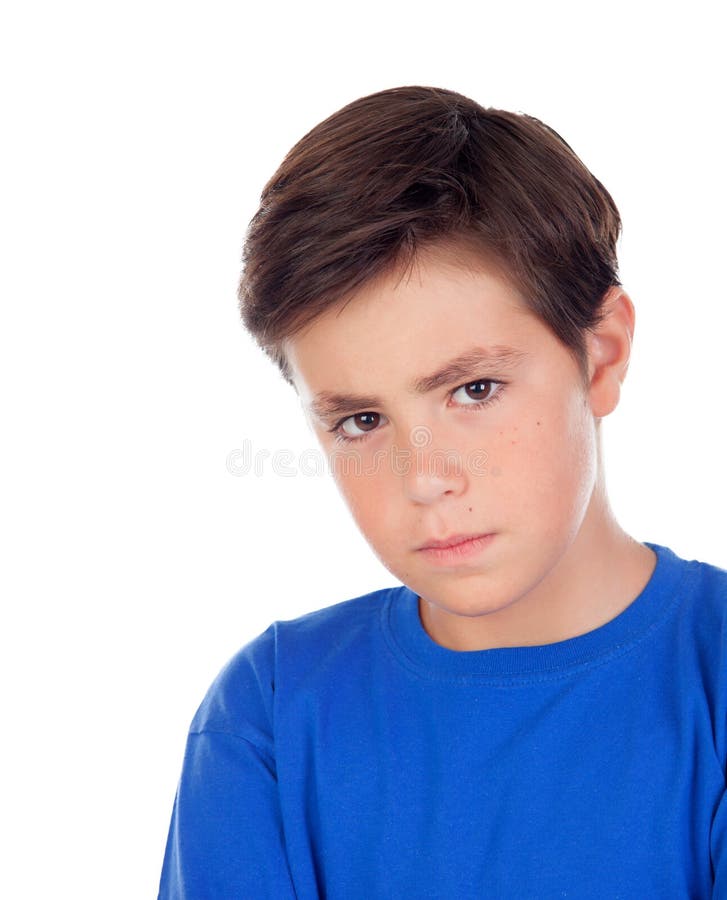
456	549
454	540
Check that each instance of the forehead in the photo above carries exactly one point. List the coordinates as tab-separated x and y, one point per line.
408	323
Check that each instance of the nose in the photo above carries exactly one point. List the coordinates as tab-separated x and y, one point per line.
429	471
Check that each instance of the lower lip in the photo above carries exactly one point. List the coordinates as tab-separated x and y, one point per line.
457	552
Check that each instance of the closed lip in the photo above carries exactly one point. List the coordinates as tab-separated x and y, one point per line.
451	541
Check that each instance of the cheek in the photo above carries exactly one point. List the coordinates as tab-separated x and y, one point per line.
370	500
545	471
365	495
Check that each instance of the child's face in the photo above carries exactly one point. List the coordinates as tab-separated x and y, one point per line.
432	464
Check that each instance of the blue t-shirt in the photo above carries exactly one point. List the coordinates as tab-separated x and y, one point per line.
345	754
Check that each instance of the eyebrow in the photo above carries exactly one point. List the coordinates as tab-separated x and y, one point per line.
327	404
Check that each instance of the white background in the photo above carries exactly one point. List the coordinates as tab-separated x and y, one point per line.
137	139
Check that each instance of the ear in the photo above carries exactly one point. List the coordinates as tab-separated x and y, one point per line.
609	351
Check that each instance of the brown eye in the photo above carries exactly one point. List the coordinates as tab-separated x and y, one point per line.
477	390
364	422
478	393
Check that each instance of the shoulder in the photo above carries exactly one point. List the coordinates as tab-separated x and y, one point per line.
283	655
700	620
332	631
704	592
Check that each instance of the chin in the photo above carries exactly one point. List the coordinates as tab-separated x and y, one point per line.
470	598
470	609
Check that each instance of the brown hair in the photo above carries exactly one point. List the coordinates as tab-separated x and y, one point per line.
410	167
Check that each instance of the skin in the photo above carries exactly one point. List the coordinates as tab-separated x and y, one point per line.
559	565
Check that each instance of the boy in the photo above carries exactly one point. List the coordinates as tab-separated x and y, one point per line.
539	709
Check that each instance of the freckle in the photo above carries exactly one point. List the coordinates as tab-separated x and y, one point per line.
470	509
538	422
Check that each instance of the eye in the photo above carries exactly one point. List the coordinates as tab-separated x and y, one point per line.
358	425
478	393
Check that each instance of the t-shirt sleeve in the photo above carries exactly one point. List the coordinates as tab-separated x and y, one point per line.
719	850
226	837
718	834
226	834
